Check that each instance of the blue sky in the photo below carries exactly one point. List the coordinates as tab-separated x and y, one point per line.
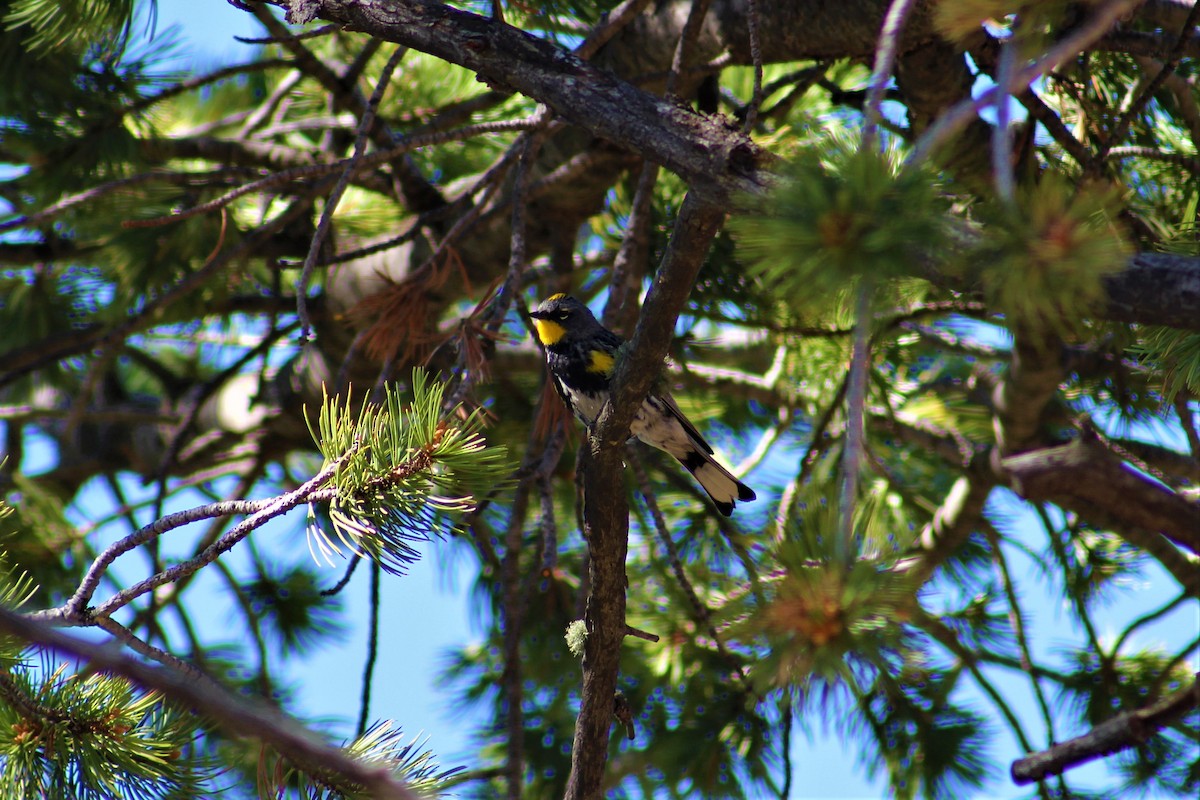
426	613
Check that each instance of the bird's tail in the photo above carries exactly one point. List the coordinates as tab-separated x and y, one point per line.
724	489
661	424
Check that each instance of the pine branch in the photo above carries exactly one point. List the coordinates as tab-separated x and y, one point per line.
75	612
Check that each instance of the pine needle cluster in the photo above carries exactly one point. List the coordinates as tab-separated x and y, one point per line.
1043	258
843	213
402	469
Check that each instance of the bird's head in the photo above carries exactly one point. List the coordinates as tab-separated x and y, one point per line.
561	319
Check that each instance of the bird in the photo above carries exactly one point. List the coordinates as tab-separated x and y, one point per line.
581	356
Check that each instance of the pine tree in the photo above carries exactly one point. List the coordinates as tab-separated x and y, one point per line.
952	340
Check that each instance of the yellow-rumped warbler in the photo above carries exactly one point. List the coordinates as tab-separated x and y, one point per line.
581	355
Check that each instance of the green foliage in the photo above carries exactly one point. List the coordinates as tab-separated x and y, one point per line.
931	748
1176	354
92	737
71	24
764	626
823	619
401	470
289	604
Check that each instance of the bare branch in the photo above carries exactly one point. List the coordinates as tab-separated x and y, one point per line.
1087	479
1123	731
238	715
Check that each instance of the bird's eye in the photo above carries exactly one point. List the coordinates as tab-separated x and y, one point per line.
564	314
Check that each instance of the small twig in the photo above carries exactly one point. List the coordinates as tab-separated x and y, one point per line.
1054	125
511	683
126	637
30	358
634	250
72	611
700	611
785	722
1002	167
885	57
70	201
801	81
295	37
548	527
489	184
335	196
204	80
1190	163
345	580
1187	421
530	144
640	634
1184	90
948	638
265	109
25	705
200	394
1017	621
691	29
756	96
365	162
364	708
309	491
959	115
609	26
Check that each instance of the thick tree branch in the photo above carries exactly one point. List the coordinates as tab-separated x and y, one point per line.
718	162
606	504
1156	289
1087	479
1125	730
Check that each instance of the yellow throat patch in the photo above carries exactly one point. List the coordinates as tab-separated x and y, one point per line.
548	332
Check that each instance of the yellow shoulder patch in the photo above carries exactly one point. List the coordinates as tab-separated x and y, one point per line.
548	331
601	362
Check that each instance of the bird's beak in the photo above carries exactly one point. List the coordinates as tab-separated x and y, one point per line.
536	314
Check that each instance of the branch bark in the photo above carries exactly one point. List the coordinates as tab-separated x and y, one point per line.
1087	479
606	504
1125	730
